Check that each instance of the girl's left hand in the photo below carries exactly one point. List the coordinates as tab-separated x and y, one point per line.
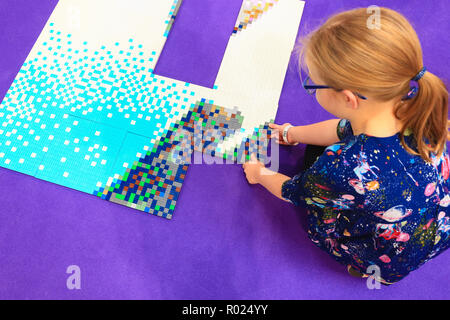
253	169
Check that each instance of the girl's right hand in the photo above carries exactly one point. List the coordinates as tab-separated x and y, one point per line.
278	134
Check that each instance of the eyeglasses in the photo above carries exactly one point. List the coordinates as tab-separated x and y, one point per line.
311	88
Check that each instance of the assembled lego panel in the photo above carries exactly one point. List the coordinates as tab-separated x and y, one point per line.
87	111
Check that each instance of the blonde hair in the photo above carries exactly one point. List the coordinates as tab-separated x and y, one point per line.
380	62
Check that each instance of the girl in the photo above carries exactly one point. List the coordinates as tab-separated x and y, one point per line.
378	195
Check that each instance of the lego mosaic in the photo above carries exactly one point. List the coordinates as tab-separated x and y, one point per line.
250	11
153	183
87	111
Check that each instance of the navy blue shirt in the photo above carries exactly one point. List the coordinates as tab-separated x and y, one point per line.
370	202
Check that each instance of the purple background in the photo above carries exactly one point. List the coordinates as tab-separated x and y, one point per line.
227	240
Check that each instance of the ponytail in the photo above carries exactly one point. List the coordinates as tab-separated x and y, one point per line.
426	116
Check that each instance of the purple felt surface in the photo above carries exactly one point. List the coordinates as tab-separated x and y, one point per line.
227	240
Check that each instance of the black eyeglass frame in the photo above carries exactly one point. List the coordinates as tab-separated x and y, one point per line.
311	89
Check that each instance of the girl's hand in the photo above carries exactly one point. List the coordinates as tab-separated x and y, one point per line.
278	134
253	169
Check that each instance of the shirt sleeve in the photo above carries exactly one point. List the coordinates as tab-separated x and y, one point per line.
324	185
324	191
344	129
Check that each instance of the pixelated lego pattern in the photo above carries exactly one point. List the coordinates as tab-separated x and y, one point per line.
153	183
81	100
86	110
173	14
251	10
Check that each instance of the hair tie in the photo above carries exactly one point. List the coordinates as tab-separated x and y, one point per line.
413	90
419	76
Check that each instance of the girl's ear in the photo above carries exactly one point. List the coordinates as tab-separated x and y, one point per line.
350	99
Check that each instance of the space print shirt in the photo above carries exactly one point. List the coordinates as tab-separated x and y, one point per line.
370	202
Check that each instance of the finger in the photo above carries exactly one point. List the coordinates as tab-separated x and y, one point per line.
275	134
273	126
276	131
253	158
276	138
281	142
